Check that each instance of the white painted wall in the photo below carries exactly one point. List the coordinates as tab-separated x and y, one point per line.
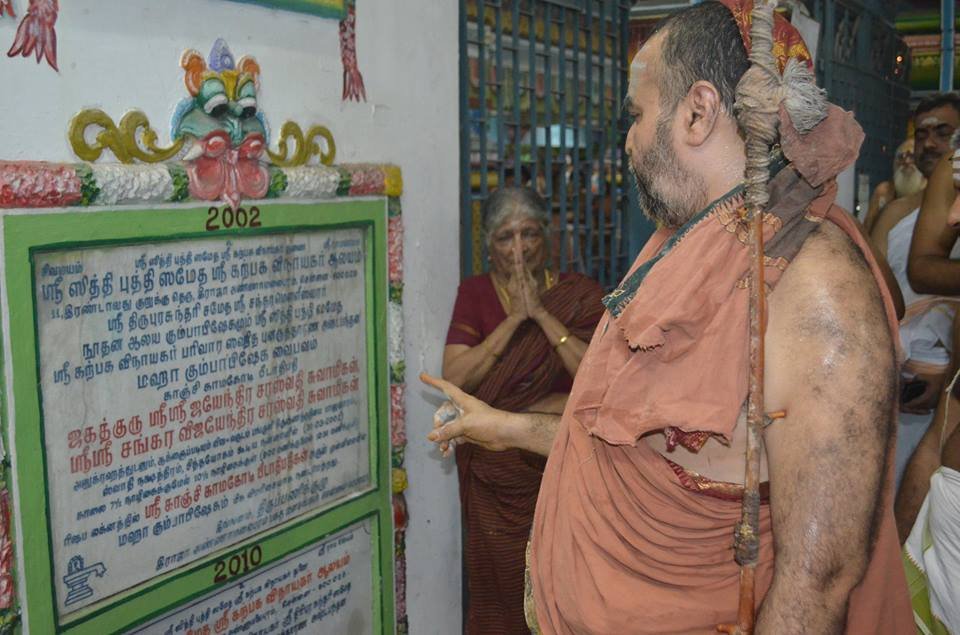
122	54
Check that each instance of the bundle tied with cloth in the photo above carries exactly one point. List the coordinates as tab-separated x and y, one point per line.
616	521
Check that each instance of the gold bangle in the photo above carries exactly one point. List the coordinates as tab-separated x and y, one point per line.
562	341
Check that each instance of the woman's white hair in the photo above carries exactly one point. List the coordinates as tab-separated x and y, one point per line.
507	202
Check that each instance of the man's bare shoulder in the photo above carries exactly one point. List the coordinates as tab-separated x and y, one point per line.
827	314
830	267
885	188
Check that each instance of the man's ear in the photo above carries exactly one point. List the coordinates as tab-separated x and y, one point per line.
701	111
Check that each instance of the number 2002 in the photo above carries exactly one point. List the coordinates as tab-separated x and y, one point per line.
237	564
228	217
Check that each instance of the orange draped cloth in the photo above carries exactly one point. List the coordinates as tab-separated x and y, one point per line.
498	490
619	543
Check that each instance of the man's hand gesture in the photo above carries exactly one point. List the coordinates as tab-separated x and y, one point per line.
476	422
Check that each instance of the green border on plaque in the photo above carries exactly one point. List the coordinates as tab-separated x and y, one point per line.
31	231
326	8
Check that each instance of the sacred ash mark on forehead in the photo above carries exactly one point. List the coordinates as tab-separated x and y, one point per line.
638	69
931	121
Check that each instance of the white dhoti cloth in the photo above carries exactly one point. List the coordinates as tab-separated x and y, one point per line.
926	333
932	557
925	330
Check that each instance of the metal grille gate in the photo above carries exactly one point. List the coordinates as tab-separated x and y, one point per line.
541	83
863	63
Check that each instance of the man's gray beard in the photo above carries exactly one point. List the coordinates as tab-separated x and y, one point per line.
689	190
907	181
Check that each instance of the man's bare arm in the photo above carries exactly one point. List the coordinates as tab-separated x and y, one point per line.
534	432
490	428
831	366
882	195
950	455
930	269
554	403
923	463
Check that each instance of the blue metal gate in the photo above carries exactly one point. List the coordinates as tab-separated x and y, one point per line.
863	63
540	89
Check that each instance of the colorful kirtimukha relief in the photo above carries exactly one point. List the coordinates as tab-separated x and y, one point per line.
220	135
218	151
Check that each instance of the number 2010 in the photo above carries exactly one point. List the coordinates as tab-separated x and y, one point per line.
237	564
226	218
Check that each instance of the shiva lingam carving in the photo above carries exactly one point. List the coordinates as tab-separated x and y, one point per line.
218	131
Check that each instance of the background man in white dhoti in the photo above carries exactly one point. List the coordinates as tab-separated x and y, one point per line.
928	504
925	329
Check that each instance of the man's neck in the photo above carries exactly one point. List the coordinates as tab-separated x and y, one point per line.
722	166
720	188
722	184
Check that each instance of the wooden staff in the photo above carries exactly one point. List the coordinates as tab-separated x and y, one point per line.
758	101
